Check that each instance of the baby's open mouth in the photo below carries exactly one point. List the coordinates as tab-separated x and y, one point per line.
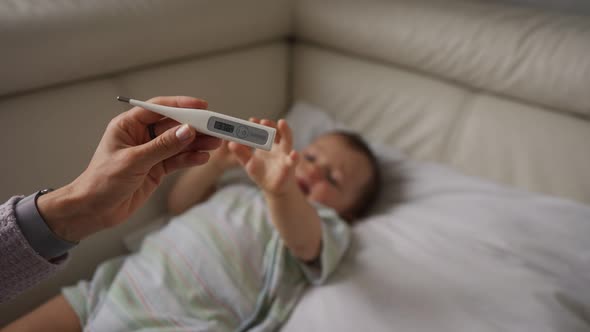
303	186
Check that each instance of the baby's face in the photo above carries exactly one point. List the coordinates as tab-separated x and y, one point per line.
332	173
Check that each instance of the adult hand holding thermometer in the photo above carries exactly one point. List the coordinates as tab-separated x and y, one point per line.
214	124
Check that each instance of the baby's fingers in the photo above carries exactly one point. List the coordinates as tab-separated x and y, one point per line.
243	153
286	134
292	159
268	123
272	124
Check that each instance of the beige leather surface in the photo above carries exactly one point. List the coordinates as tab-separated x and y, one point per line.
386	103
538	57
525	146
509	142
220	50
49	42
48	137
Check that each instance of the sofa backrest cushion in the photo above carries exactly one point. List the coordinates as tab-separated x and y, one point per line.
535	56
53	42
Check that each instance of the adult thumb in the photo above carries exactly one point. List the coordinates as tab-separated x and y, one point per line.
168	144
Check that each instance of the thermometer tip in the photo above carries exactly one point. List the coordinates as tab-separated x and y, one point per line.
123	99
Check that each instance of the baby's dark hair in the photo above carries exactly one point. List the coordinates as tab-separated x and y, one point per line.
373	187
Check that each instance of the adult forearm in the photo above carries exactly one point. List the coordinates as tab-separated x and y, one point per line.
297	222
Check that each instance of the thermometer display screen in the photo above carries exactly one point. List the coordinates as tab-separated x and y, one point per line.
223	126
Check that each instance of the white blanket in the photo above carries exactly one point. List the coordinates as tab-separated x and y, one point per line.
460	254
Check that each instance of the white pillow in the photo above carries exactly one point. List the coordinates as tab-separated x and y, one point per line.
308	122
459	254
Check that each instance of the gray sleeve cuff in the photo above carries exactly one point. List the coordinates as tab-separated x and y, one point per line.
41	238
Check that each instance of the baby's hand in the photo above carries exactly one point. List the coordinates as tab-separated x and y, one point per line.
273	170
223	157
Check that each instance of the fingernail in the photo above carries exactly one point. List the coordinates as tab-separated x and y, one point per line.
184	132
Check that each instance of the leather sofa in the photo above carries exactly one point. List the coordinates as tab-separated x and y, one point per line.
495	90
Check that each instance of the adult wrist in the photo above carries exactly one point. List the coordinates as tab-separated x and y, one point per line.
36	230
63	211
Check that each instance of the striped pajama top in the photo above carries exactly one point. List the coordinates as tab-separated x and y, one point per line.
220	266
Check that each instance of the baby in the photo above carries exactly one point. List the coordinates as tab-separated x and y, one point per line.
241	259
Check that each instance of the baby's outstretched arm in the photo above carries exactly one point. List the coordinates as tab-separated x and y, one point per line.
196	184
293	216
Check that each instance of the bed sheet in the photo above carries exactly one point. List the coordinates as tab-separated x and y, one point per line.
459	254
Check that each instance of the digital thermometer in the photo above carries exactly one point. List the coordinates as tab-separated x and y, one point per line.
214	124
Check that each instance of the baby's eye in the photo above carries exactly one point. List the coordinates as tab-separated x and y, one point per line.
331	180
309	157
